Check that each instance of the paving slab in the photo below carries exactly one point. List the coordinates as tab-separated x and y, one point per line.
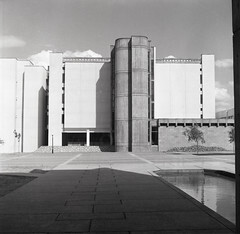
106	193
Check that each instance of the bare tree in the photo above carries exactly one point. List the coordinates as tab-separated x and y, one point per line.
194	134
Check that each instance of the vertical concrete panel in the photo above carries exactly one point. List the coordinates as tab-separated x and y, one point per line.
19	105
139	93
8	74
87	95
122	94
55	99
208	78
236	63
177	90
34	126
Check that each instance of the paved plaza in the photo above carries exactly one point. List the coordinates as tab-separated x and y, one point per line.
106	193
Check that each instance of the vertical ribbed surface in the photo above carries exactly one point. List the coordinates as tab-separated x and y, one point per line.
131	94
139	93
122	94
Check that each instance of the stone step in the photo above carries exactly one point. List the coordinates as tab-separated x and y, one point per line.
61	149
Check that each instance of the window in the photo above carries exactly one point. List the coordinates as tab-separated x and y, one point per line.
154	135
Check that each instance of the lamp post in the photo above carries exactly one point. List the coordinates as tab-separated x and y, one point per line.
52	145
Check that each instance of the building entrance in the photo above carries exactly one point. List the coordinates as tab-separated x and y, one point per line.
86	139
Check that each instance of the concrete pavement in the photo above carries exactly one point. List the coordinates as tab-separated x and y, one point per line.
106	193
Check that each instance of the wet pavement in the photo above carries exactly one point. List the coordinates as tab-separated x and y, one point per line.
106	193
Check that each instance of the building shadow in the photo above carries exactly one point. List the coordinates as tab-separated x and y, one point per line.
104	200
103	107
42	117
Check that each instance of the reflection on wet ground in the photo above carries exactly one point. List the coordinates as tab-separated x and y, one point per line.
216	192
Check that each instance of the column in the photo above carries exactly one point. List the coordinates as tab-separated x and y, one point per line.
88	137
236	63
55	99
139	92
122	107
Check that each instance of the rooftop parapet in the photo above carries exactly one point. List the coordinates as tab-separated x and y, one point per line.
85	60
178	60
191	122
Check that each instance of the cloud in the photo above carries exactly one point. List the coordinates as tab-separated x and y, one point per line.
230	83
87	53
224	63
170	57
42	58
10	41
224	100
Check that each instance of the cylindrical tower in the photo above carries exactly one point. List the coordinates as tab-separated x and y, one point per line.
122	79
139	92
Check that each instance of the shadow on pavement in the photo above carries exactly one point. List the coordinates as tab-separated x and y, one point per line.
103	200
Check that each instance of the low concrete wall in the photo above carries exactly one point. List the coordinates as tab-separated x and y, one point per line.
216	133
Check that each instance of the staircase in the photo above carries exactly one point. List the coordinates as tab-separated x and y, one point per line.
65	149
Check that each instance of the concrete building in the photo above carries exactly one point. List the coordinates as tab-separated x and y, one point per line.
225	114
101	101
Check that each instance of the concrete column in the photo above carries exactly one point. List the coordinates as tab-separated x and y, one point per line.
139	92
55	99
208	79
122	108
88	137
236	62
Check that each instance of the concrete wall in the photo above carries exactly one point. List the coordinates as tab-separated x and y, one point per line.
11	78
177	90
19	100
236	65
55	112
208	86
34	126
8	72
88	96
216	136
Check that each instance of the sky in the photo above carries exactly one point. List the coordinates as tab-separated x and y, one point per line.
29	29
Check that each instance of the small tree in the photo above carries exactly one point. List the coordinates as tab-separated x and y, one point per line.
194	134
231	135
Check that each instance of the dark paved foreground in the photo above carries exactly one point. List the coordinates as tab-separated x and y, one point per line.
104	200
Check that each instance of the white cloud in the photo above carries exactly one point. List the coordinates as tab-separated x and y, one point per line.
230	83
10	41
224	100
170	57
224	63
87	53
42	58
